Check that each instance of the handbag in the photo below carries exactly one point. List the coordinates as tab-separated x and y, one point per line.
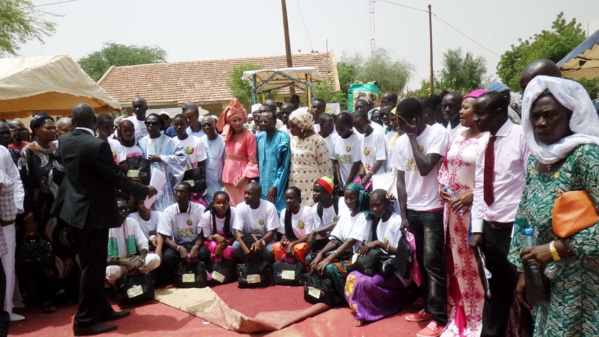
573	211
222	272
288	273
134	289
35	252
386	264
139	168
403	257
368	264
319	289
198	177
191	275
253	274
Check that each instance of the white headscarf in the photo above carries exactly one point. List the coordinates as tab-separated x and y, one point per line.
584	122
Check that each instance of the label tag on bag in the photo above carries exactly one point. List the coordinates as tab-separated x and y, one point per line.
254	278
188	278
134	291
288	275
218	277
314	292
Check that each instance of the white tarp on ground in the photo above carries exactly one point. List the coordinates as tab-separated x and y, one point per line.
50	83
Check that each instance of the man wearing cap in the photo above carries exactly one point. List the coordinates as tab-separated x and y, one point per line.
194	122
505	90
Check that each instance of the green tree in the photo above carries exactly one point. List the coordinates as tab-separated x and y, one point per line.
461	72
20	22
113	54
551	44
242	90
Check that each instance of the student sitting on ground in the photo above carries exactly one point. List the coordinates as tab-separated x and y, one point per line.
148	222
258	217
298	223
180	238
216	227
128	248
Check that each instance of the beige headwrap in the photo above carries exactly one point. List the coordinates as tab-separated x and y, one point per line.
303	118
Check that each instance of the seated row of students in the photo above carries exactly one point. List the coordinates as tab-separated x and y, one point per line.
186	231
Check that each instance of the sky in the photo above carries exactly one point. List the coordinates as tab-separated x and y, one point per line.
192	30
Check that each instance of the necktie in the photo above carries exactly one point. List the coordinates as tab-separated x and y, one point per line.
489	173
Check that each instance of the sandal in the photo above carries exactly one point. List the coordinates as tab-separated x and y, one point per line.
48	308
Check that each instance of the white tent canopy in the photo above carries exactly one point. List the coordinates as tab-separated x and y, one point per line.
281	77
51	83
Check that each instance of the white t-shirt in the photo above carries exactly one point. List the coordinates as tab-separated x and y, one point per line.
220	223
388	231
423	192
330	140
118	151
133	151
353	227
454	131
328	216
316	128
389	136
302	223
256	221
346	152
140	127
374	147
182	227
148	227
194	149
285	129
128	233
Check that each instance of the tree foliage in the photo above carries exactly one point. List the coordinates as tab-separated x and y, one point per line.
20	22
113	54
551	44
463	73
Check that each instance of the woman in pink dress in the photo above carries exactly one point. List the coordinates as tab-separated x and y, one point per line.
241	164
465	294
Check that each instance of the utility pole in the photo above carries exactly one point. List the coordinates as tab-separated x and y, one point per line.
430	30
372	36
287	43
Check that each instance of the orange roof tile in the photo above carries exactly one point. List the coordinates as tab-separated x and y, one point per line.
198	81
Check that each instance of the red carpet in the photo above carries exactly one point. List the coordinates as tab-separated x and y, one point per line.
157	319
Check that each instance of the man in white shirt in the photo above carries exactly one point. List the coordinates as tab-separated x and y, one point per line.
346	151
8	215
451	106
286	110
194	120
417	156
318	108
215	157
180	236
140	106
258	217
373	148
327	131
128	248
499	182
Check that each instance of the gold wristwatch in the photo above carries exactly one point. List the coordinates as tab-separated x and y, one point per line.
553	251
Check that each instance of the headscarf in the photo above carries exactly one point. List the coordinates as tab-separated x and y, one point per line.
39	119
326	183
363	198
235	108
476	93
498	86
584	122
302	118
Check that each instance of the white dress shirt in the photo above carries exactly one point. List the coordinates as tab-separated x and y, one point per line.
511	154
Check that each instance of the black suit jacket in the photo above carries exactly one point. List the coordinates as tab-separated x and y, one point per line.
87	196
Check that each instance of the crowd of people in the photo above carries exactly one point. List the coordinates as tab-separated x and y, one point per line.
472	172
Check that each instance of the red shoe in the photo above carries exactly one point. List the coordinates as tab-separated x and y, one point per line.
431	330
420	316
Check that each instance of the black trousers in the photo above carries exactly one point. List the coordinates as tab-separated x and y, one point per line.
165	274
503	281
92	247
427	228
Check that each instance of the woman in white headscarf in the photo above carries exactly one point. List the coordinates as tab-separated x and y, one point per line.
309	154
561	129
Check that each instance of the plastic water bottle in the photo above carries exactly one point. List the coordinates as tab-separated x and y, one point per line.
453	197
537	285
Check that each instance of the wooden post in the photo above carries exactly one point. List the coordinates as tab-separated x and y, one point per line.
430	30
287	43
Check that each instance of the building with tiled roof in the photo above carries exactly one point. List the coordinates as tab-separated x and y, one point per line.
168	85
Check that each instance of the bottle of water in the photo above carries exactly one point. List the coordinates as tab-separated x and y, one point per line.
537	285
453	197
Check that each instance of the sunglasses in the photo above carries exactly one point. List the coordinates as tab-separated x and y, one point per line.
151	123
123	208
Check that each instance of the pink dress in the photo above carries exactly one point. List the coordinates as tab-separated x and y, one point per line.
465	294
240	161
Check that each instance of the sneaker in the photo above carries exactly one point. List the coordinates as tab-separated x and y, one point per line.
431	330
419	316
18	304
15	317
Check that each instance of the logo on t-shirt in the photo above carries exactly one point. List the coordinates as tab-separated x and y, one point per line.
261	222
421	147
335	218
386	241
189	150
300	224
189	222
367	150
348	148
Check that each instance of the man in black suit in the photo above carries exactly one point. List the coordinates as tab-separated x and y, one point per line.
87	202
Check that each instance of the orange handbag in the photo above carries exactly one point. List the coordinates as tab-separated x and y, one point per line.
573	211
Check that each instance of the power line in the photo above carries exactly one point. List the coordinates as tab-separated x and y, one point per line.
304	22
49	4
445	22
